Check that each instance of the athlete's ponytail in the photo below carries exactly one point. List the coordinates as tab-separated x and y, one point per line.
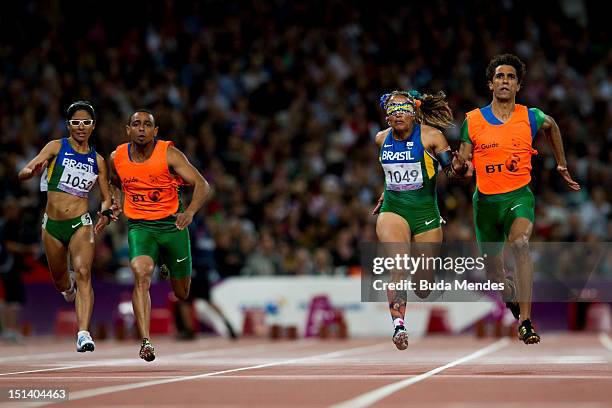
434	111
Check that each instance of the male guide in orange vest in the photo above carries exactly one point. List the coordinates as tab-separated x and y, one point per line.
499	138
147	171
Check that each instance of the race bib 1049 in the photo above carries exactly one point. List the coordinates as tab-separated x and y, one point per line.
403	176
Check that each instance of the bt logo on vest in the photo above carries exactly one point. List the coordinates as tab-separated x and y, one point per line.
493	168
138	198
154	196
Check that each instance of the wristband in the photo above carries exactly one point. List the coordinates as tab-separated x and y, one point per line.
444	158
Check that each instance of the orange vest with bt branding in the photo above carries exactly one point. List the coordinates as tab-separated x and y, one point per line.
151	191
501	152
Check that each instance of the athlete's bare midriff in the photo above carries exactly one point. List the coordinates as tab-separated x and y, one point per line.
64	206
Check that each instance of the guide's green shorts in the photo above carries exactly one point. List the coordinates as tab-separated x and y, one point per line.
495	213
163	242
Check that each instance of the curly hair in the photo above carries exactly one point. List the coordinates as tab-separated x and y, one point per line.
506	59
432	110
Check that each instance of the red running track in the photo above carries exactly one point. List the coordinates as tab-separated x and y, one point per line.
565	370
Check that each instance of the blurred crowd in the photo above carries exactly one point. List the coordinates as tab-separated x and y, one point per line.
277	104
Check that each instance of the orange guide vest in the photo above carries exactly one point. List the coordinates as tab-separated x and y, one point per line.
501	153
151	192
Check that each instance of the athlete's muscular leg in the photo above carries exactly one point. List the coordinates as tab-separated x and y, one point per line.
520	232
494	265
391	228
57	259
181	287
175	251
81	249
142	267
490	237
424	244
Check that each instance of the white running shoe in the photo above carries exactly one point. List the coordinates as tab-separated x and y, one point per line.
84	342
70	294
400	338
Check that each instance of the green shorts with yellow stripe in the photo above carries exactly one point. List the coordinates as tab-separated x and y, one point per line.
163	242
495	213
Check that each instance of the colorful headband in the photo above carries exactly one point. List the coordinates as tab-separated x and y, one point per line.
407	107
413	96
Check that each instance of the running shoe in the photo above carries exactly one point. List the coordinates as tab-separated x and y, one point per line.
147	351
527	334
400	338
84	342
511	302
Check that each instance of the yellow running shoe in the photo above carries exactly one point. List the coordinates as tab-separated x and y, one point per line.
527	333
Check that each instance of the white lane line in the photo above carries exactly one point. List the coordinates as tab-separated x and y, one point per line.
35	356
59	354
111	349
332	377
137	361
371	397
357	377
77	395
566	360
42	370
507	360
605	340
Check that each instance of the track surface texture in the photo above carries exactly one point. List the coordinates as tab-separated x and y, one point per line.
565	370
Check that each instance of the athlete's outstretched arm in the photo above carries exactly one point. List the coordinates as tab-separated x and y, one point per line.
180	164
464	155
114	185
454	170
380	138
113	178
38	164
553	134
103	183
104	216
